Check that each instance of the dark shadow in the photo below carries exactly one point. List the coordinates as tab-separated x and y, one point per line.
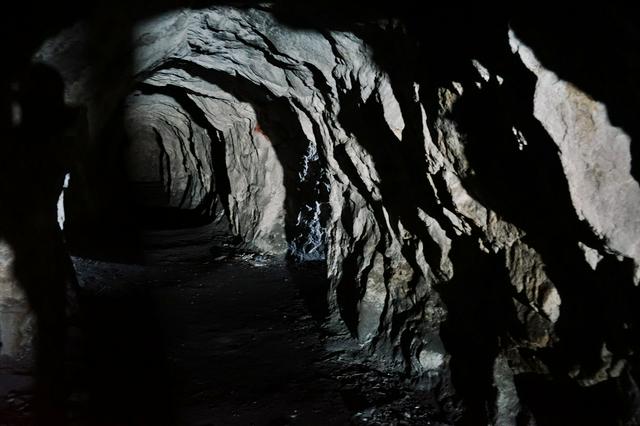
35	158
480	316
536	199
561	402
596	49
310	278
99	203
124	377
527	187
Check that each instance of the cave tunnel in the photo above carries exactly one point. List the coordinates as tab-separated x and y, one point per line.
277	213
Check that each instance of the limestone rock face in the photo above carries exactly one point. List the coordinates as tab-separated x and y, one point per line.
480	225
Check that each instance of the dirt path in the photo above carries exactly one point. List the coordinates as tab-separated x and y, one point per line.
188	340
197	337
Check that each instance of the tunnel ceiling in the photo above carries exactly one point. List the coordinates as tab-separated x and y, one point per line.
478	212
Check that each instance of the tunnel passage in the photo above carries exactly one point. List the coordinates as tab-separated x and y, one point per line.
475	211
245	163
200	147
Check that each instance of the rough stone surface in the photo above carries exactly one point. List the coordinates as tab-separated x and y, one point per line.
15	314
169	150
480	227
596	158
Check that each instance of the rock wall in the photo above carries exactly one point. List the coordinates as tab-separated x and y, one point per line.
480	216
16	322
168	150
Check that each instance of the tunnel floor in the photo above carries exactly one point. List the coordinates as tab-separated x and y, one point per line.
202	336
